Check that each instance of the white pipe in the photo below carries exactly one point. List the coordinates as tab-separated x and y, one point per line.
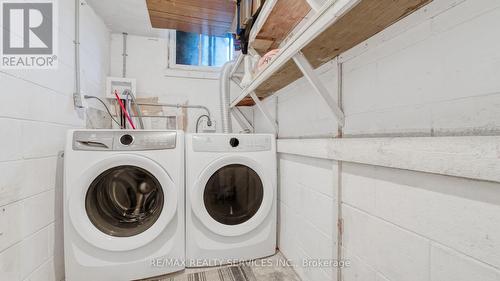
225	97
77	98
124	55
209	123
137	108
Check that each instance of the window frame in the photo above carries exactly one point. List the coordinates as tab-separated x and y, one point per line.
172	58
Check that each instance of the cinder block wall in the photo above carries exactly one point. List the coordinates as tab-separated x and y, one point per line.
36	110
404	225
434	73
308	213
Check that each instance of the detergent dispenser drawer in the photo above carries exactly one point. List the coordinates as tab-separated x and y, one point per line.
89	140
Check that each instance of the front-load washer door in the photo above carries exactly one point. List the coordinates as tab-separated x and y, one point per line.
232	196
123	203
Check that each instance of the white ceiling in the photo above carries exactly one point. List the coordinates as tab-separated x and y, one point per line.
129	16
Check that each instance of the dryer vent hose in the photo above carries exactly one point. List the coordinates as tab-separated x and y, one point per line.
225	97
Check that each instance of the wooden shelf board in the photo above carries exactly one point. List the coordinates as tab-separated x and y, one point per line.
277	23
279	79
247	101
337	27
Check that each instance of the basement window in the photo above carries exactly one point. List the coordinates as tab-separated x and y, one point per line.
199	51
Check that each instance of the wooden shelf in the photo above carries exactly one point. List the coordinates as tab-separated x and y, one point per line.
338	26
277	19
247	101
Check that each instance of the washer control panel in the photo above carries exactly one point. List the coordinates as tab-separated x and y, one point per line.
232	143
124	140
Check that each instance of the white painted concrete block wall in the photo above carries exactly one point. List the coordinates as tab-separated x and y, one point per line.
406	225
308	213
433	73
35	112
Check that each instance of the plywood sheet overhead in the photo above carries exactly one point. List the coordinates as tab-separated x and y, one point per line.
213	17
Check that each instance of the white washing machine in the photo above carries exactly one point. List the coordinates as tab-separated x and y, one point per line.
230	198
123	204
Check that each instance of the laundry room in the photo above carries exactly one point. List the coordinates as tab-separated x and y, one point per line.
250	140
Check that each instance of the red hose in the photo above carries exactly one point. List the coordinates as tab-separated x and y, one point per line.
124	110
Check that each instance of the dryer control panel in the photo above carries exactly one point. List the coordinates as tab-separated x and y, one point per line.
124	140
232	143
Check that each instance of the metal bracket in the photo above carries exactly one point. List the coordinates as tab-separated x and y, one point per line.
241	119
318	86
264	111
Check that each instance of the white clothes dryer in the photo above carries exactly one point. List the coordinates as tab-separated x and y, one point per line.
230	198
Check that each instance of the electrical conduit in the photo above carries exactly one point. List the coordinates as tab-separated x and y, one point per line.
77	98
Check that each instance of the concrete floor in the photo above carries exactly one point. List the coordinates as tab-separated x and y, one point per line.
272	268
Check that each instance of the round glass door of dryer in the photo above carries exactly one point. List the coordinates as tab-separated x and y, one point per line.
233	194
124	201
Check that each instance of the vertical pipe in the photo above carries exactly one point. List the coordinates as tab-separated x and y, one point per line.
340	218
124	55
77	98
124	74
